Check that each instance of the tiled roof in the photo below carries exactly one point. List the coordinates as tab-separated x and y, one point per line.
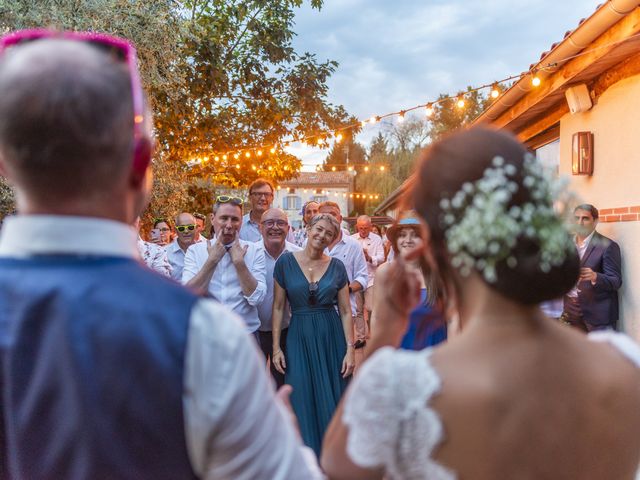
319	178
566	34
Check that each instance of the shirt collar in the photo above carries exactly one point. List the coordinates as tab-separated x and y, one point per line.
288	247
586	241
28	235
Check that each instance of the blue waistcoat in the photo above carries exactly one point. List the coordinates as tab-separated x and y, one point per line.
92	370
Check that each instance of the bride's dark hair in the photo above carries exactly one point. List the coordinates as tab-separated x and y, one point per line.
463	157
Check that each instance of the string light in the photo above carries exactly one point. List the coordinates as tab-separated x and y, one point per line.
382	168
217	158
248	154
333	169
320	137
429	110
366	169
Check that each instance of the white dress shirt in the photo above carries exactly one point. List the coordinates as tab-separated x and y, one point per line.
225	284
374	247
175	254
265	308
235	428
582	249
250	230
349	252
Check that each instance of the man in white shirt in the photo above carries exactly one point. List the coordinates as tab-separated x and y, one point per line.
261	192
231	270
201	220
187	231
165	384
348	250
373	250
274	226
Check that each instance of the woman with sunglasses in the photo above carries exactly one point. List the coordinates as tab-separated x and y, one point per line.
319	355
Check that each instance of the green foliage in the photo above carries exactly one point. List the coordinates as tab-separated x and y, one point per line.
448	117
221	75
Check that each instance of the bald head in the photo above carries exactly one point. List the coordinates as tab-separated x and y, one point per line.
66	120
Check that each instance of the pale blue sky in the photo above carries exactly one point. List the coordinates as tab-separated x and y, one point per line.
396	54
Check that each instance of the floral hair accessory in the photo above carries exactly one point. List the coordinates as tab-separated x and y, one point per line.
482	228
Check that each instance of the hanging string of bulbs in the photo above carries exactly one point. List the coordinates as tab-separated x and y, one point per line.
356	195
321	139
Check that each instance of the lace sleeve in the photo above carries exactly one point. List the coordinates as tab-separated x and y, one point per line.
389	419
371	413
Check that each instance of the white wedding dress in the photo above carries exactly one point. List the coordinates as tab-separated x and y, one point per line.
390	422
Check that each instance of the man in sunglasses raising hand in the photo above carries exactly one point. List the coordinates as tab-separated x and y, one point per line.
187	230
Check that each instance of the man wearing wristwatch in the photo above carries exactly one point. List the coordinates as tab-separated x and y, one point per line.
186	228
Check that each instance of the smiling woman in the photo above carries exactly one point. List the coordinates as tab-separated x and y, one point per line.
319	356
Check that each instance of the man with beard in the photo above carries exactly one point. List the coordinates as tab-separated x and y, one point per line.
593	303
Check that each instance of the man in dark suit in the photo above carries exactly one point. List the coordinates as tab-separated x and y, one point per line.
593	303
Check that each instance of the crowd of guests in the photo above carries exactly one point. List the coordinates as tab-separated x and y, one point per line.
111	370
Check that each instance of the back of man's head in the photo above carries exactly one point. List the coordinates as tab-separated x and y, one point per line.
66	120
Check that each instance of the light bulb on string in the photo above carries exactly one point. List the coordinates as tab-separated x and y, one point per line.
338	137
535	81
495	91
429	110
238	166
374	119
224	157
236	156
366	169
259	153
363	123
401	116
370	197
216	158
357	195
247	154
333	169
253	167
460	101
382	168
350	169
272	150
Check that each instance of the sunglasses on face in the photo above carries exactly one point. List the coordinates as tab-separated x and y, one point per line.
313	293
229	199
271	223
184	228
120	50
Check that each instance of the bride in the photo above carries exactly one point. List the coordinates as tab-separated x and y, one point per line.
514	395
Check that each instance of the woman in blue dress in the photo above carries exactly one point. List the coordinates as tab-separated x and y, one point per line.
427	326
319	356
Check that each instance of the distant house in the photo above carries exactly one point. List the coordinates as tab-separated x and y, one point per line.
318	186
590	84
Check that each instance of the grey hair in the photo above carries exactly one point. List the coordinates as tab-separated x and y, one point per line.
325	216
71	136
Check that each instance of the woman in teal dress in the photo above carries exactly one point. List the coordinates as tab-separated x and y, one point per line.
319	356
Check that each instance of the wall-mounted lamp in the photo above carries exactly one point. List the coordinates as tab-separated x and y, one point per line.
582	153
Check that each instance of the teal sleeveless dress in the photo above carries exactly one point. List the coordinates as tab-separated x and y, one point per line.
316	346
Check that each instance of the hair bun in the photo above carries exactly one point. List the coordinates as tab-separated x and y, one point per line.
527	283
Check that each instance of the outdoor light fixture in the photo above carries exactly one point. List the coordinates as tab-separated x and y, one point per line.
582	153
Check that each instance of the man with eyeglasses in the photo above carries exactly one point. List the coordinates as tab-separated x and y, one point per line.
228	268
274	227
261	194
108	370
186	229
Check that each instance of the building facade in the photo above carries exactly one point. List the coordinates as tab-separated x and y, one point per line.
318	186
